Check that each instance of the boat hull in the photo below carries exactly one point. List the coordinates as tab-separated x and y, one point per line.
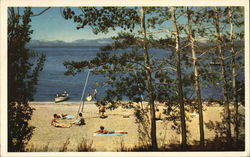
60	99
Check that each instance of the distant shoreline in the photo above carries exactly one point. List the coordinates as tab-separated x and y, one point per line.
205	103
59	103
64	102
64	47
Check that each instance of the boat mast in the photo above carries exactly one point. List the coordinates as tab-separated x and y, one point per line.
81	106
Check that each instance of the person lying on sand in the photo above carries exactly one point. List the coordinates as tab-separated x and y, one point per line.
61	115
55	123
64	116
103	131
80	120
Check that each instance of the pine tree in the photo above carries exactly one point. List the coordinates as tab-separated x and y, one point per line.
149	81
235	15
196	75
223	72
180	90
22	78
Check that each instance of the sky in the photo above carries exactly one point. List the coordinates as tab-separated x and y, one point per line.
52	26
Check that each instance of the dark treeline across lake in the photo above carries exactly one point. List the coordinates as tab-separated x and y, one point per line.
52	79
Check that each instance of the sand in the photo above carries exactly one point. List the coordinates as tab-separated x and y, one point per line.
54	138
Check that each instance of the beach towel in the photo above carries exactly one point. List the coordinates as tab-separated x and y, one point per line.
113	133
68	117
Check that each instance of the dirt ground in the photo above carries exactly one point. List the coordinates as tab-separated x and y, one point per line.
54	138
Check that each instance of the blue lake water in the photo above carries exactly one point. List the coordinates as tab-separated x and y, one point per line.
52	79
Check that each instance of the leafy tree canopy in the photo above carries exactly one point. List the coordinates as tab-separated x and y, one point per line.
22	78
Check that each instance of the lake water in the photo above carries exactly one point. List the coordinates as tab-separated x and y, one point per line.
52	79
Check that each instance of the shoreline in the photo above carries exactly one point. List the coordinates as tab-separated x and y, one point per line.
75	102
204	103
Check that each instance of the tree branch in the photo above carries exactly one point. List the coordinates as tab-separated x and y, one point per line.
41	12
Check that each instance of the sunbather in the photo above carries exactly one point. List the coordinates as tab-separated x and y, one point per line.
102	130
55	123
61	115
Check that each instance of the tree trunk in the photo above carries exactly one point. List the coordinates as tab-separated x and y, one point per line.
223	73
235	100
180	91
196	78
149	83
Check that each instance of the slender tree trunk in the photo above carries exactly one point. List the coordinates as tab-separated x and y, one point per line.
180	91
196	78
223	73
235	100
149	82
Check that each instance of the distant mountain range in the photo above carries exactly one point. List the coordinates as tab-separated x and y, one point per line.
92	43
76	43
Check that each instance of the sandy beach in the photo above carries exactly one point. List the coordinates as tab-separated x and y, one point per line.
54	138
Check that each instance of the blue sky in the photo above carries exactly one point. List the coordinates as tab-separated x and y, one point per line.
51	26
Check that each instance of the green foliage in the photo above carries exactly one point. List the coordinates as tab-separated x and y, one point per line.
125	67
21	79
125	71
220	133
142	119
101	19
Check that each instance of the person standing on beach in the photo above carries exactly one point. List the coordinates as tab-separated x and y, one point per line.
157	115
95	93
102	110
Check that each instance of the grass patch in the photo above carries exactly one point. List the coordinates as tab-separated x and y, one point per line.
84	146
